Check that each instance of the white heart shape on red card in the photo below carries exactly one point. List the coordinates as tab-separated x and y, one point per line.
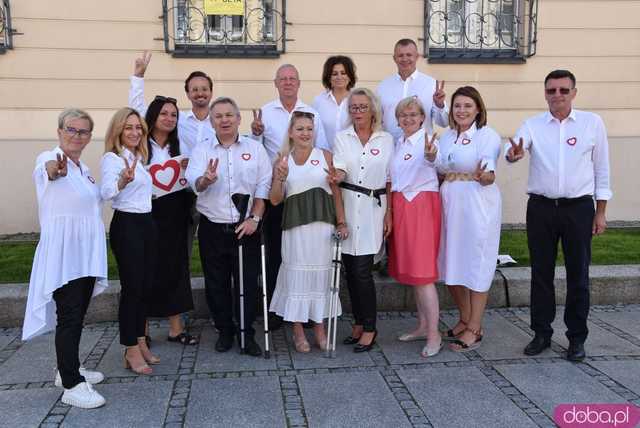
407	156
572	141
315	162
246	156
375	152
183	181
164	176
465	141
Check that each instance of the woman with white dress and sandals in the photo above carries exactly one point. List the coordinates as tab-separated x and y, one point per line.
311	206
471	207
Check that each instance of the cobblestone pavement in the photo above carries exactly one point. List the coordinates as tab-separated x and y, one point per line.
494	386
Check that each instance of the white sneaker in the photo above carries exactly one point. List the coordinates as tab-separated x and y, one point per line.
84	396
90	376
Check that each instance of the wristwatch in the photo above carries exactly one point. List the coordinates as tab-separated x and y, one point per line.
255	218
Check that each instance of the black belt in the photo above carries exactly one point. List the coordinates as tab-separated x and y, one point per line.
560	201
369	192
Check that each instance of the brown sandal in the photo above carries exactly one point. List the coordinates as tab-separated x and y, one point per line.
460	346
450	336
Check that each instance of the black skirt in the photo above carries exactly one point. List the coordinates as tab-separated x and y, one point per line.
171	293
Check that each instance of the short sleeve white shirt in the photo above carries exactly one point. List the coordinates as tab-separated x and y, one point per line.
461	153
334	116
411	172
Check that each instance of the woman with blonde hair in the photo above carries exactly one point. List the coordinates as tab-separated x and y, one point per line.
132	234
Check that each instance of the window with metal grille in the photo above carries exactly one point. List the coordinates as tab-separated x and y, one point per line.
480	31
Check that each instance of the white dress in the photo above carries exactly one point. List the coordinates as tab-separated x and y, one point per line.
72	240
302	288
471	212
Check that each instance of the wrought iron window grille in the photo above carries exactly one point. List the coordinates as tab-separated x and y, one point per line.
6	32
190	32
480	31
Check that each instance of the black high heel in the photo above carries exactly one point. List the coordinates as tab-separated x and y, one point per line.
366	348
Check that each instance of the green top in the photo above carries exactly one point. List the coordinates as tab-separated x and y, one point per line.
312	205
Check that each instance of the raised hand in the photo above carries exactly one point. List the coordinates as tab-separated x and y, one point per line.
57	168
128	174
430	149
257	127
211	173
439	95
482	176
282	168
141	64
516	151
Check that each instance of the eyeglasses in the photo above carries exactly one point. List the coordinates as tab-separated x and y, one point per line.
303	114
563	91
362	108
165	99
72	132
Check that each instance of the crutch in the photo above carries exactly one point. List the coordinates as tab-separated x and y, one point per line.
241	202
265	310
332	324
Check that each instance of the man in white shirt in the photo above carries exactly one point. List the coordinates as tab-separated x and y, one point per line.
568	169
410	82
223	168
271	124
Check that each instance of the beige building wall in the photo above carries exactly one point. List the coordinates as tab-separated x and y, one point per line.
81	52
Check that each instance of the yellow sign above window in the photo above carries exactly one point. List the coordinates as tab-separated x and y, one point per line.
224	7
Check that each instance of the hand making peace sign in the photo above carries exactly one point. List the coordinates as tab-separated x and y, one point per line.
516	151
482	176
257	127
430	149
141	64
128	174
211	173
439	95
57	168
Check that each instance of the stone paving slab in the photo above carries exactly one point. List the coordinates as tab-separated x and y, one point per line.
462	396
627	321
626	373
26	408
350	400
249	402
138	404
550	384
35	360
5	340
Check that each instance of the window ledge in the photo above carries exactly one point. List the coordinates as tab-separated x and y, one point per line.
474	56
226	51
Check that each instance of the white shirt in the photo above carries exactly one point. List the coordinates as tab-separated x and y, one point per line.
72	240
334	116
366	166
243	168
159	154
569	159
461	153
276	124
393	89
189	126
135	197
411	172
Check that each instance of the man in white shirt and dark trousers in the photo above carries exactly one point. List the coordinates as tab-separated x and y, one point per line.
569	167
221	166
271	124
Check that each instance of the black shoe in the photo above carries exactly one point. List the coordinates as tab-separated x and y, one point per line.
350	340
537	345
366	348
576	352
224	342
251	347
275	322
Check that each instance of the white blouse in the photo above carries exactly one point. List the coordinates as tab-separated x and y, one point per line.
457	154
72	240
367	166
334	116
135	197
411	172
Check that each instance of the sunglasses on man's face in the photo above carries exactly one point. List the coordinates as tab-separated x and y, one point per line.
165	99
563	91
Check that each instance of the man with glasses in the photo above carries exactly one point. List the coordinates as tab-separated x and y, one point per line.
568	169
270	123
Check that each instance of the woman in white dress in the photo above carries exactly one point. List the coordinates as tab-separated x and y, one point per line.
70	263
338	77
311	206
471	213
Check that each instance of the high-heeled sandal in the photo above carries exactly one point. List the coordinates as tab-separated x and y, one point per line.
143	369
150	358
450	336
301	344
460	346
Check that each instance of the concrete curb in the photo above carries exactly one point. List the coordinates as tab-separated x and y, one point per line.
609	285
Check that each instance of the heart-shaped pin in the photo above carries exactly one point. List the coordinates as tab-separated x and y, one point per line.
407	156
315	162
246	156
375	152
164	176
183	181
572	141
465	141
91	179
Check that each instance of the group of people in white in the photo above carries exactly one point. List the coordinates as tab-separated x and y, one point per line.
365	165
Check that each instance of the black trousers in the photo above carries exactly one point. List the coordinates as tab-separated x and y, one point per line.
133	239
569	221
362	290
272	229
72	301
219	256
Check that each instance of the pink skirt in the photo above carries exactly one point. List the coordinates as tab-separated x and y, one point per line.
415	238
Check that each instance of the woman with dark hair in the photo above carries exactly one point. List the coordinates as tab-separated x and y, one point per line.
471	206
338	77
172	283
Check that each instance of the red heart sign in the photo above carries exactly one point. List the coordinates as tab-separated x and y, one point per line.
246	156
183	181
164	176
375	152
407	156
465	141
315	162
572	141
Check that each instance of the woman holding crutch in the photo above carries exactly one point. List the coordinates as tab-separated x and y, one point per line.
312	203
